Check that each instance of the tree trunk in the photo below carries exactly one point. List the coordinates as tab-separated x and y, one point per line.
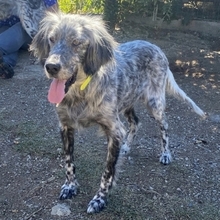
110	12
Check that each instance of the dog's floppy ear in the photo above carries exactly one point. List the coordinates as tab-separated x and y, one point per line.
40	45
101	47
97	55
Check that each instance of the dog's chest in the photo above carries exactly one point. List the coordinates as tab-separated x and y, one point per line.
76	113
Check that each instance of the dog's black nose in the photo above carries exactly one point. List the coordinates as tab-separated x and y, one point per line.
53	68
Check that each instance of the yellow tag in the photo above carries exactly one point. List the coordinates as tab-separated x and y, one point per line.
85	83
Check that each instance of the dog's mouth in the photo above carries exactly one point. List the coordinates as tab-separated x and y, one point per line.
58	89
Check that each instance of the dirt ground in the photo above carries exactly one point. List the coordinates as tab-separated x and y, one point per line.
31	160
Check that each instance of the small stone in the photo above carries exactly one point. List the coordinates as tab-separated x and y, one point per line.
215	118
60	210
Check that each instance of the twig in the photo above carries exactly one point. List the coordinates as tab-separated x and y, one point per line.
34	213
151	191
41	185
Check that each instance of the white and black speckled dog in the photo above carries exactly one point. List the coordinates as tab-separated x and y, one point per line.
30	13
103	79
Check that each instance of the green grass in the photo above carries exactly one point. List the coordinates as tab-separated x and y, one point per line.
33	138
193	212
30	137
81	6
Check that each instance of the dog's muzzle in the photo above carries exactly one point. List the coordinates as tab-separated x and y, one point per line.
69	82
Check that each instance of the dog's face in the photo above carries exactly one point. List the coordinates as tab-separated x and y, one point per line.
69	44
67	52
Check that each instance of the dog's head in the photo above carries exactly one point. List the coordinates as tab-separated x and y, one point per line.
69	44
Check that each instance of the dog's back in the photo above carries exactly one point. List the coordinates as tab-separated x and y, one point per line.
142	71
139	66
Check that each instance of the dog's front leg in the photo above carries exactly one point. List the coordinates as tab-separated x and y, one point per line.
108	177
69	189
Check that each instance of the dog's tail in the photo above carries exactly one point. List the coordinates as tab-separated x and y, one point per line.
173	88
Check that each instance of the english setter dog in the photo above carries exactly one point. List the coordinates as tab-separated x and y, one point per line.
30	13
102	79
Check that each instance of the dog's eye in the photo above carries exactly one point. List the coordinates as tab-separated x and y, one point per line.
52	40
76	42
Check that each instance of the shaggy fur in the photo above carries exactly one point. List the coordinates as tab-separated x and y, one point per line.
75	46
30	13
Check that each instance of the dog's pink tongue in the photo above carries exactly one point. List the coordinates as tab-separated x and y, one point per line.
56	91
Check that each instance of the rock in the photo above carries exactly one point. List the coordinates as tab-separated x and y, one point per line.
61	210
215	118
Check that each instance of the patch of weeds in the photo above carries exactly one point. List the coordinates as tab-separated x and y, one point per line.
178	168
196	213
5	125
183	209
122	204
33	138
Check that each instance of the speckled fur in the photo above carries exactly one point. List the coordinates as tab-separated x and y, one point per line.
30	13
71	47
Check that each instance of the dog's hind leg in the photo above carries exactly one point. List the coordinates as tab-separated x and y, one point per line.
115	135
156	106
69	189
133	127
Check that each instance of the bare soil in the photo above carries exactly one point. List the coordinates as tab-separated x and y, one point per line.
31	160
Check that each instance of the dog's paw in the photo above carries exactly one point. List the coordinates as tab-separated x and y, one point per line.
166	158
96	205
68	191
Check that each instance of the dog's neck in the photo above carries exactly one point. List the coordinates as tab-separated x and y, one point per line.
72	80
85	83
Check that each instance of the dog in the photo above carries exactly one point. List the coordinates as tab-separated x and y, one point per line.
102	79
30	13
